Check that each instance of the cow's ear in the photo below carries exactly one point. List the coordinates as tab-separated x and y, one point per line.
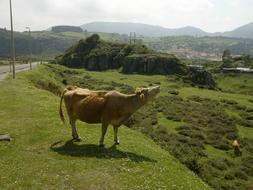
138	91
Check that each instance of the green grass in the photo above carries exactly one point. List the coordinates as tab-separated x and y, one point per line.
245	132
236	83
169	124
42	157
5	62
32	119
232	113
216	95
215	153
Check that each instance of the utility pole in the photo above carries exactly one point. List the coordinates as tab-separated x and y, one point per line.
30	47
134	37
12	44
130	37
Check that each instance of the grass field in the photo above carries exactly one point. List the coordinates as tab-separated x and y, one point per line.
187	124
41	155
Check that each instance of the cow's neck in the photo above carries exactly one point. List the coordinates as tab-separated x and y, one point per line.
135	102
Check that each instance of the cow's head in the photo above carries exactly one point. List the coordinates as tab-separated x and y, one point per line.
147	94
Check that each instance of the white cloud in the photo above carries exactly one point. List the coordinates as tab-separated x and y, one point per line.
208	14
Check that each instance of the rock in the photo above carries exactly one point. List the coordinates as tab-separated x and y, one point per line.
5	137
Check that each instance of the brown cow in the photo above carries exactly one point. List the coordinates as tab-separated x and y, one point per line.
236	146
106	107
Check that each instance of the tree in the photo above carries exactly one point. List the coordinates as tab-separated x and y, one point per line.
226	58
93	40
247	60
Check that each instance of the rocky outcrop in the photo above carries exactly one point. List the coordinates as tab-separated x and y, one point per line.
96	55
153	64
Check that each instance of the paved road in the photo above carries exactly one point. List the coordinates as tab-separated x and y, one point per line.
5	70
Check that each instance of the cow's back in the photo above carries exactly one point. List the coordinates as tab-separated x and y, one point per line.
85	105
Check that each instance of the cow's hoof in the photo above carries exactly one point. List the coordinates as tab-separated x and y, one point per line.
101	145
78	139
116	142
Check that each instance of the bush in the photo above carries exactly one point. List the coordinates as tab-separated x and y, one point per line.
219	164
223	145
229	176
241	175
247	165
192	164
246	123
230	102
173	91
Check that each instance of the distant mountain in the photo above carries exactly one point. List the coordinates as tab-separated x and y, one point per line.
141	29
63	28
245	31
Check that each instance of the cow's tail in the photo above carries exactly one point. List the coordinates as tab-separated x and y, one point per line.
60	110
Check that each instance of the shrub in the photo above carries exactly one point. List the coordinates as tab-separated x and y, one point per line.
192	164
64	81
241	175
219	164
223	145
246	123
230	102
229	176
173	91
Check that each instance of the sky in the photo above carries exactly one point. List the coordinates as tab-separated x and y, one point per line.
209	15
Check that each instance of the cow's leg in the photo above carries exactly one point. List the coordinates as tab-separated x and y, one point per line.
115	128
74	132
103	132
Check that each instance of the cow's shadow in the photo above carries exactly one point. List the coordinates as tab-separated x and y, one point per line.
91	150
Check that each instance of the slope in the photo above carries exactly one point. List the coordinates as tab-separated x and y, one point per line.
42	157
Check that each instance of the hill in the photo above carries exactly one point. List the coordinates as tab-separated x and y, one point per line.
41	156
41	43
245	31
66	29
46	43
140	29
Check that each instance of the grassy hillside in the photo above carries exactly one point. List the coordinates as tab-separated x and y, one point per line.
195	125
236	83
46	43
41	155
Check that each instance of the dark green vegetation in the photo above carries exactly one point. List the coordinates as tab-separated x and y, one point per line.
41	155
66	29
98	55
197	126
53	43
46	43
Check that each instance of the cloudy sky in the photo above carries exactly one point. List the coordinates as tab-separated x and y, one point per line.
210	15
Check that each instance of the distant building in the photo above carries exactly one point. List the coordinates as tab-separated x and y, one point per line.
237	70
197	67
